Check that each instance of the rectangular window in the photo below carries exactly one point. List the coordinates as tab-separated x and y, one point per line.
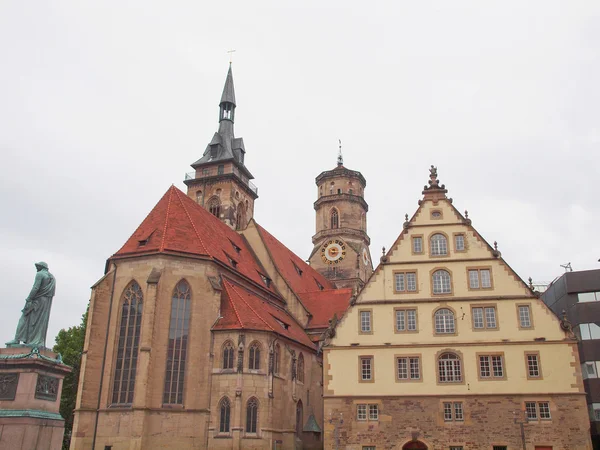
373	412
499	447
484	317
453	411
220	169
597	415
408	368
368	447
524	316
406	320
544	408
588	297
367	411
480	279
417	244
459	242
361	412
537	410
365	322
491	366
366	368
456	447
405	281
533	365
530	411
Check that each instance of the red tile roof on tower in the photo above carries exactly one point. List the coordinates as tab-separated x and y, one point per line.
178	225
243	309
324	304
287	263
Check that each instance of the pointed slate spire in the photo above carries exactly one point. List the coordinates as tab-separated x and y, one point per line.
228	91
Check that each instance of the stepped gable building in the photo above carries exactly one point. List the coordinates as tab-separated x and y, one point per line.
447	348
341	243
199	336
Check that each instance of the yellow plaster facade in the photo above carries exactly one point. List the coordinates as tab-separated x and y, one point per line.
372	330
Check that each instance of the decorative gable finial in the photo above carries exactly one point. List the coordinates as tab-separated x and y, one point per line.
531	283
434	191
467	220
383	258
406	223
496	252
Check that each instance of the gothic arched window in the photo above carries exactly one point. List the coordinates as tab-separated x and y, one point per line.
439	245
225	415
239	219
276	359
128	345
449	368
254	356
177	348
299	417
214	207
228	352
444	321
251	415
335	218
300	368
198	196
442	283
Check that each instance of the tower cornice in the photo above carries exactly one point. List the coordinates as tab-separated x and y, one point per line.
341	171
335	198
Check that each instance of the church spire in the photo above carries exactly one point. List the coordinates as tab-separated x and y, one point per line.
227	104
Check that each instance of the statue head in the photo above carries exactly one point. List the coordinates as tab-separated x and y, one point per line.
41	265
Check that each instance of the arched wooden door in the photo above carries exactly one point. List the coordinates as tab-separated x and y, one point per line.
414	445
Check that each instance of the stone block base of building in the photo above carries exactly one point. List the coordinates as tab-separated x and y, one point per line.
487	422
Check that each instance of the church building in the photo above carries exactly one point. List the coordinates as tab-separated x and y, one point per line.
447	348
205	330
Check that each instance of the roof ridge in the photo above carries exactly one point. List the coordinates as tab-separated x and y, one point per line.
192	223
162	241
235	309
251	308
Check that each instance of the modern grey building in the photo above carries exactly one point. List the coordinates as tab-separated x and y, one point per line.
578	295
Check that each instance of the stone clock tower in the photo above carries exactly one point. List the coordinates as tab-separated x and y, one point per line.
341	244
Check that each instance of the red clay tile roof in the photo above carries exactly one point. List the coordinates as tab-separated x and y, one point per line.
324	304
178	224
242	309
286	262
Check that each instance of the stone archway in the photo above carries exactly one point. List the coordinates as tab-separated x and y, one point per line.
414	445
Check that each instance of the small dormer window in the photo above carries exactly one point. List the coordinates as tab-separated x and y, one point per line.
232	261
319	285
298	269
213	151
265	279
235	247
144	240
283	325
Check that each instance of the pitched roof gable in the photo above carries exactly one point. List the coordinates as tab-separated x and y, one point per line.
177	224
243	309
324	304
299	276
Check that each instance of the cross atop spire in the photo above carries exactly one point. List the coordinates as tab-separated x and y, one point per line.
340	158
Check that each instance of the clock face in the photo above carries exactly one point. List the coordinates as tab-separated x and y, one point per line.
365	256
333	251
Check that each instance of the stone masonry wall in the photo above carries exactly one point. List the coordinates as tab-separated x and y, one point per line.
488	421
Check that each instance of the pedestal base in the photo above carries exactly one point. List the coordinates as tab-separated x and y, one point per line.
30	389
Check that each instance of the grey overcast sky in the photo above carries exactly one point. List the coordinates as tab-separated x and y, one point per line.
103	105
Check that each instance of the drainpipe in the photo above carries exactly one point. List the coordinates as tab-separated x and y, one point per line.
112	294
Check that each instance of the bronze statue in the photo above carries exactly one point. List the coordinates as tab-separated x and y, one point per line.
33	324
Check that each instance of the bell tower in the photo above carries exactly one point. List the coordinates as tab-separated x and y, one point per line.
220	181
341	244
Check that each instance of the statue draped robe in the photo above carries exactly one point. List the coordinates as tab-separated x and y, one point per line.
33	324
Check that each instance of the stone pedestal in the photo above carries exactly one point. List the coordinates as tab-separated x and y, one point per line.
30	388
